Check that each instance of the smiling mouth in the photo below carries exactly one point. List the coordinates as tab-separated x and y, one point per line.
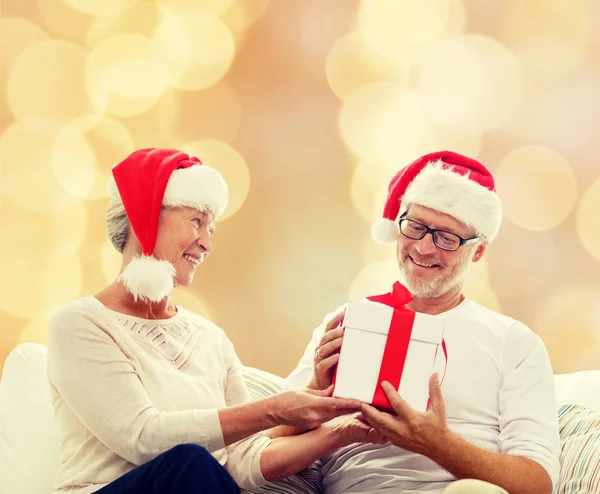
424	265
194	260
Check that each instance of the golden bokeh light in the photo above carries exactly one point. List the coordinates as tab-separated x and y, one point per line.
588	223
142	19
105	7
537	186
556	43
62	95
126	61
229	163
61	19
374	279
193	49
216	7
73	160
470	83
390	25
111	261
352	63
478	286
84	153
400	129
361	113
369	189
242	14
533	255
16	35
214	112
39	260
567	322
26	150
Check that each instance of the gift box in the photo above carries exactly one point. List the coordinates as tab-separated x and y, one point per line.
383	343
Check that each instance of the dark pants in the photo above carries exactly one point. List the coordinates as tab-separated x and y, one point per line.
184	469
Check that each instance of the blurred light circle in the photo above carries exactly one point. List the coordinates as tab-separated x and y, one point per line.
130	69
566	322
85	152
400	128
47	80
469	83
352	63
26	152
62	19
111	261
242	14
478	287
537	186
214	112
72	160
529	265
550	37
375	278
184	297
361	113
39	260
369	189
390	25
229	163
94	7
16	35
216	7
193	49
142	19
587	219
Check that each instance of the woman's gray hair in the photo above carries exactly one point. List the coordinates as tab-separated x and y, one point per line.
117	224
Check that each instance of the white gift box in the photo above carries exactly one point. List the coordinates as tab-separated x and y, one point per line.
367	325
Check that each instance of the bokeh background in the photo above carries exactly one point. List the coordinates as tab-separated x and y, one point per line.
307	108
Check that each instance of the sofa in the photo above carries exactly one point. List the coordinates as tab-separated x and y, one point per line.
29	439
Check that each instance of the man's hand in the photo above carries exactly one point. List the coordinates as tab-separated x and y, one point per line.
422	433
327	352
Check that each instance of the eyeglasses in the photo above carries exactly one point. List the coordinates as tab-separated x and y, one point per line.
444	240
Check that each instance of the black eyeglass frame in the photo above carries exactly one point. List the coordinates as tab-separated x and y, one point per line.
433	231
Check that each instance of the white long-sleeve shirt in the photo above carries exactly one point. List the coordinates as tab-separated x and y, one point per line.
126	389
499	395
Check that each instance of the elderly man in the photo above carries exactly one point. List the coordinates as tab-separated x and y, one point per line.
493	420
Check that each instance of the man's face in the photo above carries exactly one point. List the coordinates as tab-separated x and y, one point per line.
425	269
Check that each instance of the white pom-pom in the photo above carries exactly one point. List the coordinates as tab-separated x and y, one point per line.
385	231
148	278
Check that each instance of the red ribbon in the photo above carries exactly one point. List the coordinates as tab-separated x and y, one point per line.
396	345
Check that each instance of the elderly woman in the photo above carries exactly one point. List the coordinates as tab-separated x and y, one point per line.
148	396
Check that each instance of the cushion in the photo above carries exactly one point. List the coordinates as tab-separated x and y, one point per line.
579	387
262	384
29	439
580	449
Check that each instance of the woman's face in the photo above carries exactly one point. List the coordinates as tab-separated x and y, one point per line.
184	240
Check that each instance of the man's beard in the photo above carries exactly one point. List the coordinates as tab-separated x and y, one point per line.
438	286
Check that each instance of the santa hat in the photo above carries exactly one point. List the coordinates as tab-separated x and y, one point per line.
446	182
147	180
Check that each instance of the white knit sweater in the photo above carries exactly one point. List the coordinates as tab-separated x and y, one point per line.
126	389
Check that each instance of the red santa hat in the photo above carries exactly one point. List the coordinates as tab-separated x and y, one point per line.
147	180
446	182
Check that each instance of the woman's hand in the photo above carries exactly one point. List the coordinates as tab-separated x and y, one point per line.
309	408
327	352
355	429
